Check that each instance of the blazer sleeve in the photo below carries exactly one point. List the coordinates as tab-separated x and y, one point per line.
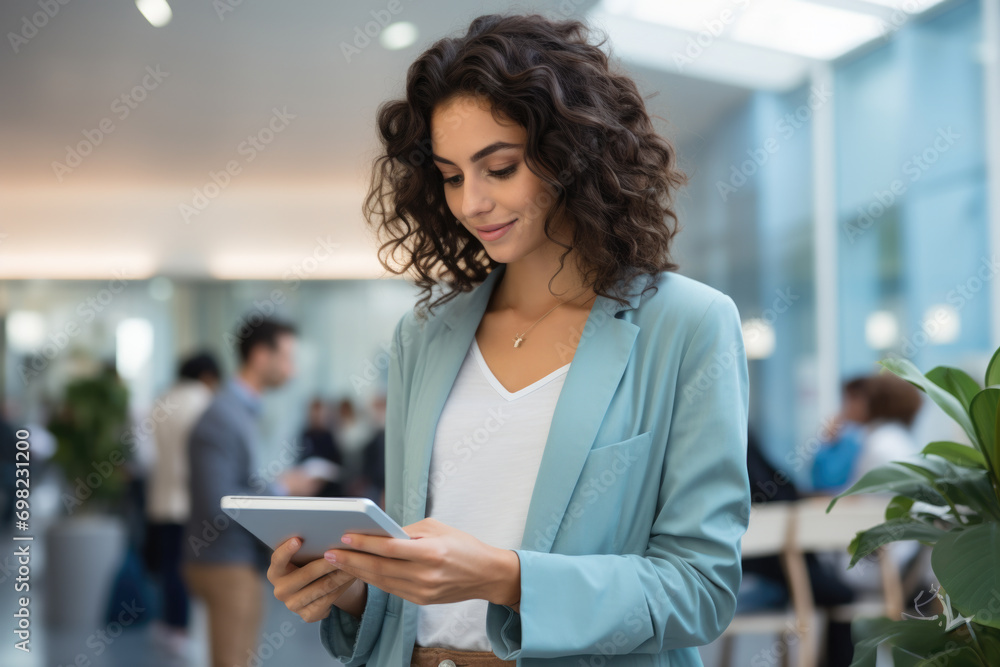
348	639
682	591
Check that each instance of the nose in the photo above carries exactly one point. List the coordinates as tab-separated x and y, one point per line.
476	198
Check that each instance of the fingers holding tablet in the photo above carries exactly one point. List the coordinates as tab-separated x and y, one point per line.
282	556
313	602
301	530
310	590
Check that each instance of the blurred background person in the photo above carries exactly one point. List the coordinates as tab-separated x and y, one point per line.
873	428
373	466
886	415
893	405
321	455
168	496
843	439
353	432
224	562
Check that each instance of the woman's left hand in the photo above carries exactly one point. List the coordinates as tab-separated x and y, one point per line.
438	564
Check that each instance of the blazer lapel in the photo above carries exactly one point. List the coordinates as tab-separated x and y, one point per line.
445	354
598	364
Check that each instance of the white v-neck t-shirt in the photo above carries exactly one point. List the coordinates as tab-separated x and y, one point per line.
487	449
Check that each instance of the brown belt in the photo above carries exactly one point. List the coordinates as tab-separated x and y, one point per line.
432	656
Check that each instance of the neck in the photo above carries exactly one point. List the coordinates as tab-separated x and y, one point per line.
524	287
251	380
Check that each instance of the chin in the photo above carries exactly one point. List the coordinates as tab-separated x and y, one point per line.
504	255
512	252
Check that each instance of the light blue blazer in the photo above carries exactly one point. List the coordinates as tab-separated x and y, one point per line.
631	549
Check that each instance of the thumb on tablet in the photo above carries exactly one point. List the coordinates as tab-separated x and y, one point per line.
283	554
427	527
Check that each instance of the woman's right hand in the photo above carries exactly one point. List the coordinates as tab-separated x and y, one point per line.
312	589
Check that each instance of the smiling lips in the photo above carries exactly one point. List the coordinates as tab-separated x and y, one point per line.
493	232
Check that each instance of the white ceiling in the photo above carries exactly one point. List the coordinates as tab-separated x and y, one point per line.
119	209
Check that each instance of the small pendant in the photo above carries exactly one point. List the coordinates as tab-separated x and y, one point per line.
518	341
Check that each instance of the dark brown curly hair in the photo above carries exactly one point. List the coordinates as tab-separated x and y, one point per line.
589	138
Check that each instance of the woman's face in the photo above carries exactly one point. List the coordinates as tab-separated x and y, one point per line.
486	183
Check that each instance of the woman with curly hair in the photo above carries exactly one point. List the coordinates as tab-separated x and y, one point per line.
566	423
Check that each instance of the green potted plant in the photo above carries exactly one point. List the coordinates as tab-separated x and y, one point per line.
964	534
87	546
88	429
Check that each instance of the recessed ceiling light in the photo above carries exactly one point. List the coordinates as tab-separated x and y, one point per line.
758	338
161	288
157	12
909	7
942	323
881	330
133	346
398	35
25	330
814	30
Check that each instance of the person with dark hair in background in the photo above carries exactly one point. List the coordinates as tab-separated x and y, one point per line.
879	415
352	432
168	501
373	464
893	404
843	439
871	430
321	452
223	565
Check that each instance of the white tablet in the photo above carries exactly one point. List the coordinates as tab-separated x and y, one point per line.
319	522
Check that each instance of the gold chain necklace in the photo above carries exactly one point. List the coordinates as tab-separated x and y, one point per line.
519	338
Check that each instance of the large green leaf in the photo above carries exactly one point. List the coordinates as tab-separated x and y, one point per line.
922	637
898	508
894	530
896	479
955	382
951	405
965	656
921	643
989	642
961	485
993	369
984	414
957	453
967	563
981	496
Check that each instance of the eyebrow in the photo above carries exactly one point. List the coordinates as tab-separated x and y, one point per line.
480	154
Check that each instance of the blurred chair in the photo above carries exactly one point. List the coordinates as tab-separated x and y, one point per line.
770	533
816	531
791	530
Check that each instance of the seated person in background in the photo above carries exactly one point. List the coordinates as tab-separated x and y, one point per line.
842	439
872	429
893	404
884	418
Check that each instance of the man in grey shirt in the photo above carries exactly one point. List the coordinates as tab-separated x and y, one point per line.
224	563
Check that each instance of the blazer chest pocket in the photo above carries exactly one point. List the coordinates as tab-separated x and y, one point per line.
628	442
609	490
